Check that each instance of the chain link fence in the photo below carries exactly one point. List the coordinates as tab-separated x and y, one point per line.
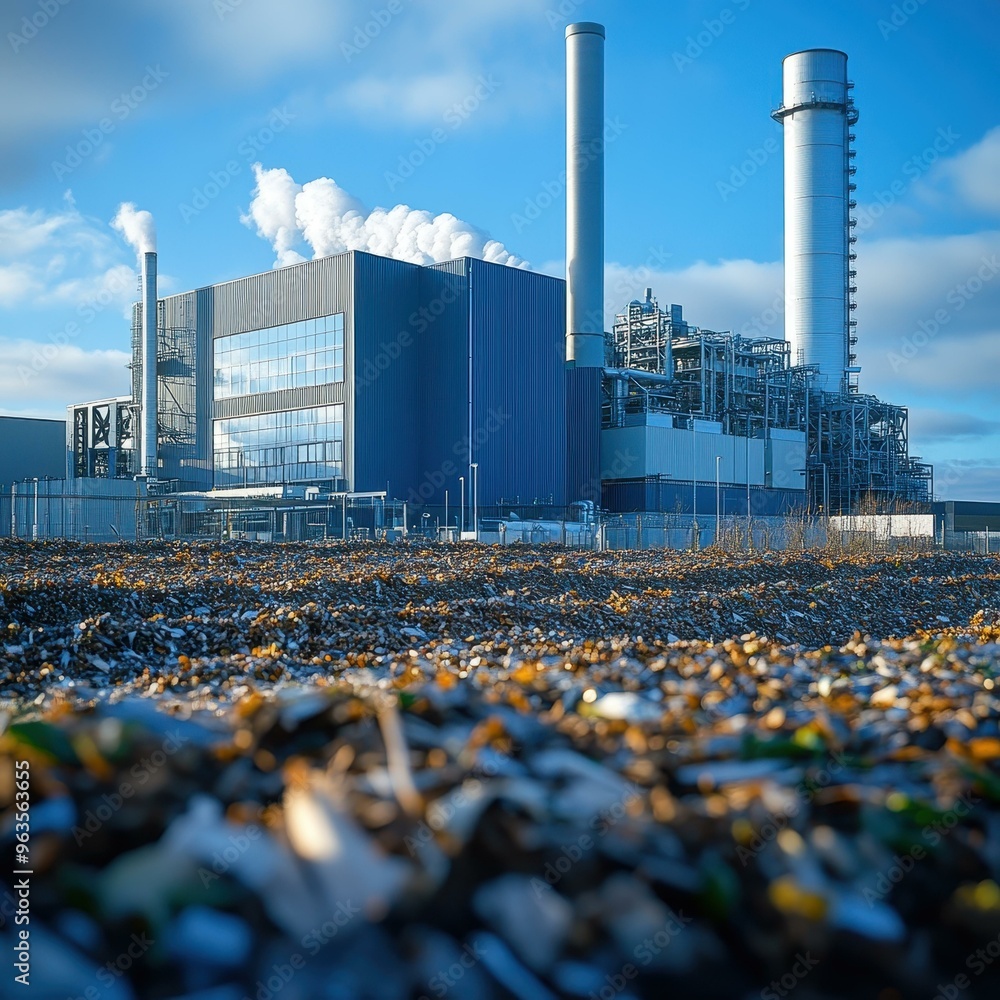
91	511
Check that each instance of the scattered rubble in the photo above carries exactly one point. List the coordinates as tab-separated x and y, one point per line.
301	772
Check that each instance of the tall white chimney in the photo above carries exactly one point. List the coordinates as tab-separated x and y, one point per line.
148	436
585	195
817	112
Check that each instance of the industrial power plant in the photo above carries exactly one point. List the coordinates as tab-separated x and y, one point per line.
362	375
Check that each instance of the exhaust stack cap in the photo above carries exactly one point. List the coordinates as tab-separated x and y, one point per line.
586	28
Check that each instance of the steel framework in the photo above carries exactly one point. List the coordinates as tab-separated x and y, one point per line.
858	456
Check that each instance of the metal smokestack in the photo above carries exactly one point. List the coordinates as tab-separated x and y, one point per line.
817	112
585	195
148	437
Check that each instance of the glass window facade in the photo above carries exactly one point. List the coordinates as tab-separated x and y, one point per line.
307	353
294	446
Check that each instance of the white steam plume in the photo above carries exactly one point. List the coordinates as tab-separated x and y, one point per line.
330	220
137	227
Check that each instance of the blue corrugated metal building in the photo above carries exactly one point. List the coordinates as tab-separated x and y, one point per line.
436	368
31	448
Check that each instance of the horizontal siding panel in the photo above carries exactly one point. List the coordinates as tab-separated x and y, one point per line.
280	399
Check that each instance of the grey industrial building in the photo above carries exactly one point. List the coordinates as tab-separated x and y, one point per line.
361	374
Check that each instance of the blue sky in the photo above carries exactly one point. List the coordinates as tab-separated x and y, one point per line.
458	108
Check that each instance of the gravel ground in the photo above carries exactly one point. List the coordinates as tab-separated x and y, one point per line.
302	772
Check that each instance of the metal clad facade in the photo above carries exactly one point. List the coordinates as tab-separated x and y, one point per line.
442	326
583	434
31	448
683	455
303	291
381	373
274	298
434	358
518	403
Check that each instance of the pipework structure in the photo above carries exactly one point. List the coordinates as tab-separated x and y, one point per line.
817	114
856	446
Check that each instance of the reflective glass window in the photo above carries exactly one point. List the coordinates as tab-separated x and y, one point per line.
281	357
293	446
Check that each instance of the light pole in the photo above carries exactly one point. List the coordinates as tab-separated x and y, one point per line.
461	532
446	525
475	499
34	523
749	532
695	535
718	498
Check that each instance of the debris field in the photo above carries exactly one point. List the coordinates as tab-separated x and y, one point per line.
309	772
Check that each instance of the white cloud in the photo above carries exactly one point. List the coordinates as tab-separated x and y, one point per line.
248	40
740	295
18	282
60	258
931	425
42	377
425	61
422	98
115	287
974	174
23	232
